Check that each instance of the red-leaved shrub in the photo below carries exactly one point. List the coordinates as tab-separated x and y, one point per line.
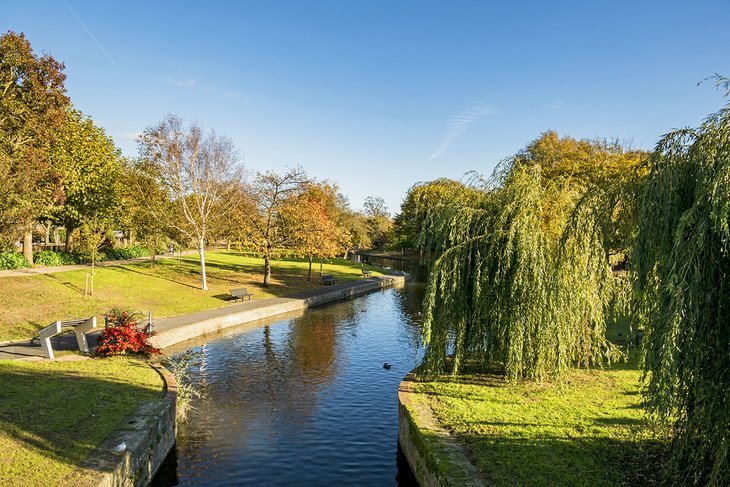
123	337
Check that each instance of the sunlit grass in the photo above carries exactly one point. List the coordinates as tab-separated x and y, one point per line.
53	414
592	431
171	287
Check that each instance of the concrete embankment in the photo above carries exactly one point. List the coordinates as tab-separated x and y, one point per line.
146	438
436	459
170	331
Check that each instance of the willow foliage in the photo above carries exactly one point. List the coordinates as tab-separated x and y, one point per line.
682	259
506	287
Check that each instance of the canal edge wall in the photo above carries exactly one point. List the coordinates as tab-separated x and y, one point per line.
435	457
171	331
149	435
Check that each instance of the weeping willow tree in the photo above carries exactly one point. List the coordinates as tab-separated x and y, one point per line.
508	286
682	259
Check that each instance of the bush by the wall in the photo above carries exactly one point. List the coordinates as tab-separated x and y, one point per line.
12	260
52	258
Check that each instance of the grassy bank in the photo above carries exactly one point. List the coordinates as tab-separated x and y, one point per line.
168	288
53	414
591	432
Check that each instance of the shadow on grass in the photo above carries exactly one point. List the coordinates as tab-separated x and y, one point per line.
595	461
62	415
129	269
68	284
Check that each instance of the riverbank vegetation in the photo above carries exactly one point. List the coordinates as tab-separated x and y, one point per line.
167	288
55	413
529	267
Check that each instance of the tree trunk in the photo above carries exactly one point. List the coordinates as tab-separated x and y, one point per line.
309	274
267	266
201	250
28	244
321	271
69	245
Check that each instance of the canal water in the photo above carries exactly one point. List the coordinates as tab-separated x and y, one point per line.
303	400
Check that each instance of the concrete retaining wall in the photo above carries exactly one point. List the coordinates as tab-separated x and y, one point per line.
435	458
149	435
175	330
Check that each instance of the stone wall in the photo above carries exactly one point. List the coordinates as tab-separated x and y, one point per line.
149	435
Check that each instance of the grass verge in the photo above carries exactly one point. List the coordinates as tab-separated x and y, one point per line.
53	414
590	432
170	287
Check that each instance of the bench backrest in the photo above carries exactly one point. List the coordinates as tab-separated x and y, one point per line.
242	291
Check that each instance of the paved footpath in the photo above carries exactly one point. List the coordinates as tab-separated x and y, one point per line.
35	271
170	331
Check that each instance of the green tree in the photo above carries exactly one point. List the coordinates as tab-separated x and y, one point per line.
90	166
520	271
422	197
682	259
200	173
32	108
378	220
272	192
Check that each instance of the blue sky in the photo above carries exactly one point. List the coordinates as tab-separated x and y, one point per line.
377	95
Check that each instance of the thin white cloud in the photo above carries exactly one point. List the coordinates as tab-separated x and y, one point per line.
459	124
126	135
184	83
230	94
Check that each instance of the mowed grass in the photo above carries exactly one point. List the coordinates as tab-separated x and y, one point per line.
170	287
590	432
53	414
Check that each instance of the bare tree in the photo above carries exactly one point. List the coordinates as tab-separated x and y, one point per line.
201	173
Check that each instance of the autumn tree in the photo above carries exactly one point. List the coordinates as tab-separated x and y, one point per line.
90	168
310	221
271	192
32	109
199	171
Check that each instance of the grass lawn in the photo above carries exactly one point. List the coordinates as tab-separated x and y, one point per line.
53	414
591	432
168	288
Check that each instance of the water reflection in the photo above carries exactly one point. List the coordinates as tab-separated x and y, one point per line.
303	401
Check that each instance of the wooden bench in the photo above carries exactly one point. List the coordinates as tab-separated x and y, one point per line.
241	293
80	327
366	273
328	280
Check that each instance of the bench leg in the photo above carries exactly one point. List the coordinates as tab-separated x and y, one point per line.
81	341
47	350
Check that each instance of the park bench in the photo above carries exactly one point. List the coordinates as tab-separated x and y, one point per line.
80	327
366	273
328	280
241	293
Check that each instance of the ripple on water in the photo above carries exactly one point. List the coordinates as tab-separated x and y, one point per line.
303	401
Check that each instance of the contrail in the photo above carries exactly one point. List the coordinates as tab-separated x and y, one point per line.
459	124
89	32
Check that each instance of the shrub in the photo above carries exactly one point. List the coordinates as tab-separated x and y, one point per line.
13	260
123	253
52	258
122	336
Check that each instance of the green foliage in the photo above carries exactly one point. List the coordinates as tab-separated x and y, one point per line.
90	166
125	253
32	108
422	198
505	288
682	260
12	260
52	258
